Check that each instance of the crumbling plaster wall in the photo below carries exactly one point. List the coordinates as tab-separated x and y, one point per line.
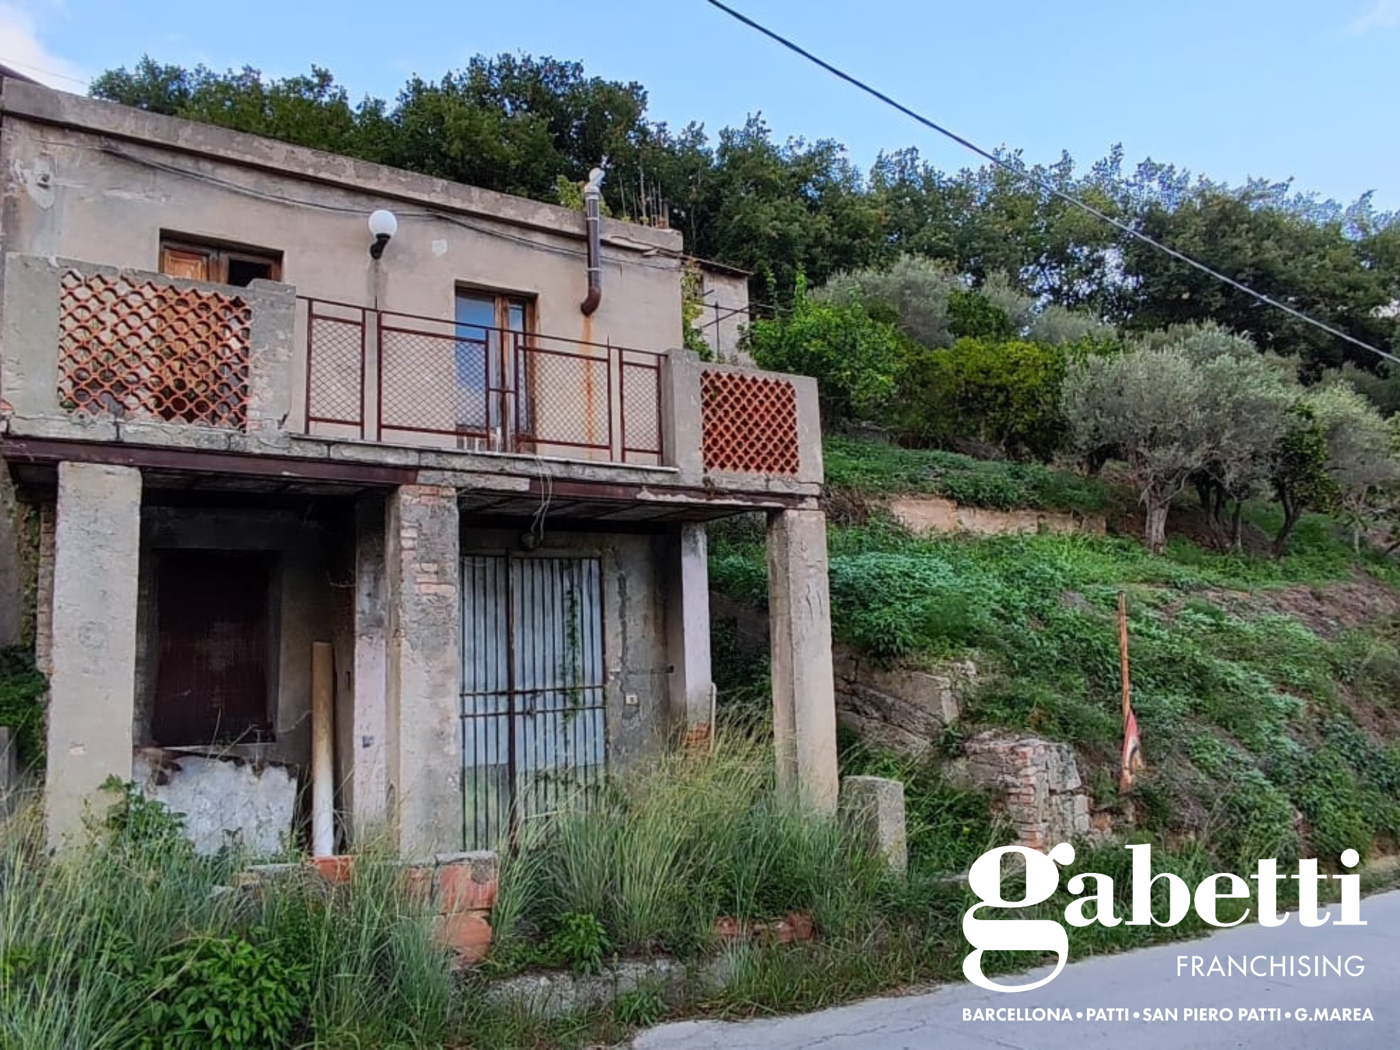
302	605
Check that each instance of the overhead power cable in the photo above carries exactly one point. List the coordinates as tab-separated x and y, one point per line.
40	71
1045	186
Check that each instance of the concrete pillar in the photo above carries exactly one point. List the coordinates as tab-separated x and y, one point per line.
688	634
92	689
367	792
424	765
9	767
804	695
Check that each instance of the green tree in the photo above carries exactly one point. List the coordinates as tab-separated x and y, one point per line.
1361	461
985	395
972	315
1300	479
1168	414
1255	236
854	358
912	292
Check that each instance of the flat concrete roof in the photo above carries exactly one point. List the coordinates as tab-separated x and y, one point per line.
35	102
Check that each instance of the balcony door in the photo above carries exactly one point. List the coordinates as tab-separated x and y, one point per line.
491	365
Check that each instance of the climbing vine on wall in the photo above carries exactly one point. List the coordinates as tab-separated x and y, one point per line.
572	671
692	306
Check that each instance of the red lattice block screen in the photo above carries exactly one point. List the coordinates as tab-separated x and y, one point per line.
146	350
750	423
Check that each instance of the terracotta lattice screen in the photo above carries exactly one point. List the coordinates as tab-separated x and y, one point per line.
750	423
153	351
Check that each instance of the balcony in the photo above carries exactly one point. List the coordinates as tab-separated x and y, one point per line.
130	358
400	379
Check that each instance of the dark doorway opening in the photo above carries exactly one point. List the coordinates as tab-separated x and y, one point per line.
213	612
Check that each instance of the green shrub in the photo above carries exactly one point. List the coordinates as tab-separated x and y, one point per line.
22	690
580	941
872	468
640	1008
1003	394
222	993
971	315
679	844
853	357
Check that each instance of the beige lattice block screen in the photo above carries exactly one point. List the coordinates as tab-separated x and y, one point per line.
138	349
750	423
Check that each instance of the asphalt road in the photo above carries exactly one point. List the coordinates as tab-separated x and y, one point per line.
1130	985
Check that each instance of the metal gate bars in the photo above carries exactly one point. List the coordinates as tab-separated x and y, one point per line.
533	716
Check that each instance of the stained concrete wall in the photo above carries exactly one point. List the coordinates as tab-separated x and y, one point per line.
223	802
96	555
302	605
423	753
100	183
721	323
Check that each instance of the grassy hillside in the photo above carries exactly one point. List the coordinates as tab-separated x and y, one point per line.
1265	690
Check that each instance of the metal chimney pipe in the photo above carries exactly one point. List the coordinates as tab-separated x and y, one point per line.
592	209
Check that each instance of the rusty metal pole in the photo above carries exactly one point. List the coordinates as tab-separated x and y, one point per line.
322	750
1123	654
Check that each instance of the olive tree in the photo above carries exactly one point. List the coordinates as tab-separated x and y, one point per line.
913	293
1169	414
1360	457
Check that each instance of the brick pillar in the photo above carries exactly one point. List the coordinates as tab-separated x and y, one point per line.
92	688
424	766
804	695
688	634
368	787
43	600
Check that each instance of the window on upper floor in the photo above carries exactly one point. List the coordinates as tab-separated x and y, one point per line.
222	264
490	327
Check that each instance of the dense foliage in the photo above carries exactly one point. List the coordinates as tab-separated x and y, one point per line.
1249	714
855	358
519	123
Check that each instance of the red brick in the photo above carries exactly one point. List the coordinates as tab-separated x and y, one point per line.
730	930
334	869
458	890
467	933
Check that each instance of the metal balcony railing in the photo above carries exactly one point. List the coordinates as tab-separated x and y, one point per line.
404	379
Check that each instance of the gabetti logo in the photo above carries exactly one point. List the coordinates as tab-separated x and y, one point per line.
1047	935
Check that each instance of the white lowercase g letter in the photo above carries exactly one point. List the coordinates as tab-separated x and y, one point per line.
1024	935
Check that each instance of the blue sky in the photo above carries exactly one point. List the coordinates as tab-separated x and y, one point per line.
1231	88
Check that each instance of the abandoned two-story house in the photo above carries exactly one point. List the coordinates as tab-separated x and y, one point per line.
395	484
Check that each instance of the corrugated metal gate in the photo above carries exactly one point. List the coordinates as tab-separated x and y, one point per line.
534	731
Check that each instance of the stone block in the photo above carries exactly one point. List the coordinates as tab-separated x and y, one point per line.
874	808
9	774
900	709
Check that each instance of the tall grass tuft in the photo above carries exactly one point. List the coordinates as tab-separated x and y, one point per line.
97	942
693	837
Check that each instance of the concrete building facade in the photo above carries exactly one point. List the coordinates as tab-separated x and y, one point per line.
417	518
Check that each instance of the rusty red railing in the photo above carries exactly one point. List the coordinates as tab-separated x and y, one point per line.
405	379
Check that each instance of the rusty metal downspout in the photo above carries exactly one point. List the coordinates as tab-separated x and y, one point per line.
592	200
